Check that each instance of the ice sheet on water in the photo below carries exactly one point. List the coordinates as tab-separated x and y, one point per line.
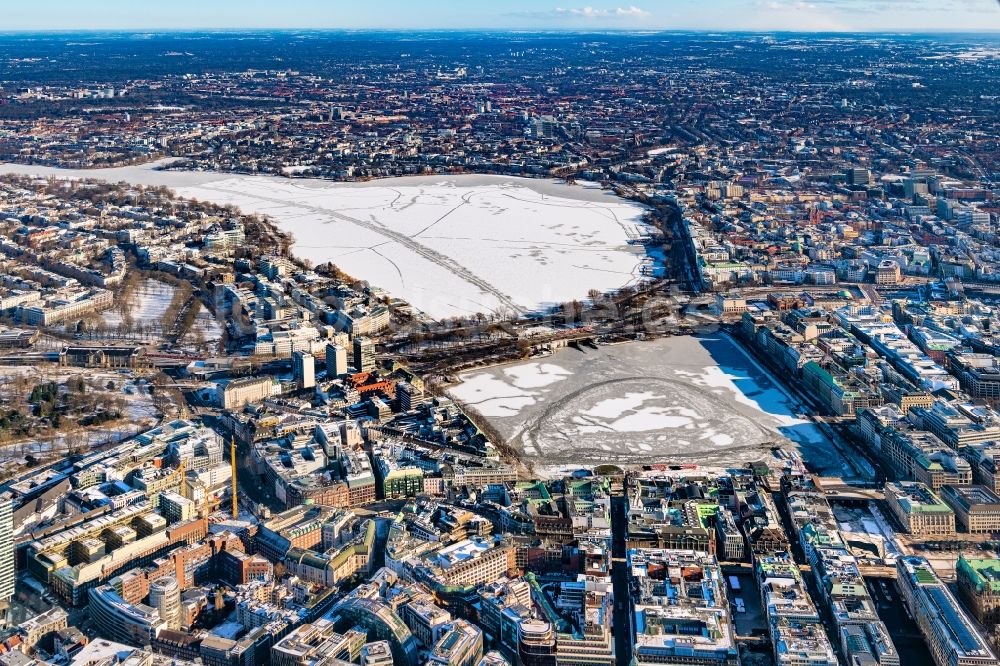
453	245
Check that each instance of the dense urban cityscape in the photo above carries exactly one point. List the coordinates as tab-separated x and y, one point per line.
499	349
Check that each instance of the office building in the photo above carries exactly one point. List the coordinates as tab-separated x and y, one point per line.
868	644
177	508
680	619
473	561
859	177
977	508
888	273
593	645
918	509
304	369
364	355
34	629
426	621
952	638
461	645
381	622
336	361
6	547
239	392
536	643
165	597
409	396
121	621
376	653
316	643
979	586
797	634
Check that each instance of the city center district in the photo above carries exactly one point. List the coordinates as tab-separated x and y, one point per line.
483	349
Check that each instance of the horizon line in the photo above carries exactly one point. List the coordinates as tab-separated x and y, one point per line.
522	31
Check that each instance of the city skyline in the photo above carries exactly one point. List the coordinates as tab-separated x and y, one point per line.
500	334
652	15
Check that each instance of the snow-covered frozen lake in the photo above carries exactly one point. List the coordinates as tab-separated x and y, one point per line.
450	245
685	399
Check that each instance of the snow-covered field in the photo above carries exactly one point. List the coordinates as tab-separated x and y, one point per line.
206	329
452	245
147	306
676	400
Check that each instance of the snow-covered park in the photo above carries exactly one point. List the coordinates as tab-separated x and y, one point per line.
450	245
147	306
675	400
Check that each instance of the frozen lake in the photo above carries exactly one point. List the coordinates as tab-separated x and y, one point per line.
450	245
692	399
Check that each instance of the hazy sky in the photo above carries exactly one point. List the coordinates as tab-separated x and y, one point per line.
860	15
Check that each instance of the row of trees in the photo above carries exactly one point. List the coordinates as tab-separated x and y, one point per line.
176	321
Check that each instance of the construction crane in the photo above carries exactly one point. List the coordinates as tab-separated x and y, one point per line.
209	503
179	472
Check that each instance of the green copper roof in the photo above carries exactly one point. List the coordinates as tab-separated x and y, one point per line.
984	573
